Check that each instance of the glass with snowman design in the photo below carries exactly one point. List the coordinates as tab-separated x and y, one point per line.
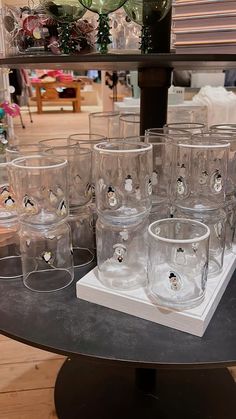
122	252
123	172
7	195
199	172
178	262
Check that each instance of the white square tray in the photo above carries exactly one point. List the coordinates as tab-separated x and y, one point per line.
136	302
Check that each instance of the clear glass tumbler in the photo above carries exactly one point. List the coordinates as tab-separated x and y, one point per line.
199	173
129	124
216	220
123	172
83	240
178	262
122	252
57	142
79	172
15	151
47	257
191	127
41	189
106	124
7	195
10	257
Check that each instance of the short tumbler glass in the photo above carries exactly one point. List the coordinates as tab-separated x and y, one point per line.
41	189
10	257
47	257
129	124
178	262
123	173
122	252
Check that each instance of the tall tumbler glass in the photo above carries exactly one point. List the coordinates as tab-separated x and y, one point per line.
10	257
129	124
216	220
178	262
199	173
41	189
191	127
122	252
47	257
105	123
7	195
79	173
123	173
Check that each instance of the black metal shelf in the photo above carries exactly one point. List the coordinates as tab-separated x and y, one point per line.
122	61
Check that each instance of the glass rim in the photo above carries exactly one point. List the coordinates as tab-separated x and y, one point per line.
224	127
102	137
104	114
139	147
178	132
209	145
127	117
43	142
60	162
79	150
182	241
15	148
192	124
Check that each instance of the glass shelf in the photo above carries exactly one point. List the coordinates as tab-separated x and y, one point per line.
120	61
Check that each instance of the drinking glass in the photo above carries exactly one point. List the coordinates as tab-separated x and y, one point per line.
7	195
123	172
81	223
41	188
199	172
216	220
57	142
178	262
192	128
47	257
224	128
10	259
79	172
160	211
129	124
106	124
20	150
87	140
122	252
230	233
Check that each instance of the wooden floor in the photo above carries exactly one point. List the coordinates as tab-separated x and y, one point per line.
27	375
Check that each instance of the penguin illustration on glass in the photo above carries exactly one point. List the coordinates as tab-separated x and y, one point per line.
181	186
119	252
216	182
203	177
29	205
47	257
62	209
52	197
149	187
9	202
4	192
111	195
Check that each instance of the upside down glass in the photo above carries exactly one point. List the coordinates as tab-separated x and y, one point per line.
178	262
123	172
47	257
106	124
41	188
122	252
129	124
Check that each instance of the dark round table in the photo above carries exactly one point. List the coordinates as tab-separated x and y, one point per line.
119	365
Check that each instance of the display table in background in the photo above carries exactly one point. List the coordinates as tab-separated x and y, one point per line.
122	366
47	92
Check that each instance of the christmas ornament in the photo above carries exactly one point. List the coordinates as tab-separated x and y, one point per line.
103	8
147	13
64	11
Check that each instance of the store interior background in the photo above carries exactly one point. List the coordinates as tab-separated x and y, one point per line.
28	374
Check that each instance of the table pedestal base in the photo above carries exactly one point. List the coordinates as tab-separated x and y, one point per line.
98	390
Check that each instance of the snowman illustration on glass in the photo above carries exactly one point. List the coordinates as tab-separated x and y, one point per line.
203	177
180	186
216	182
175	281
111	195
129	183
119	252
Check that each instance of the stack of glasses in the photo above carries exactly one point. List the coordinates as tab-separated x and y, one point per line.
80	193
10	261
123	199
41	193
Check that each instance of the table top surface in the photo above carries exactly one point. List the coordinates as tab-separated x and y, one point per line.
61	323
